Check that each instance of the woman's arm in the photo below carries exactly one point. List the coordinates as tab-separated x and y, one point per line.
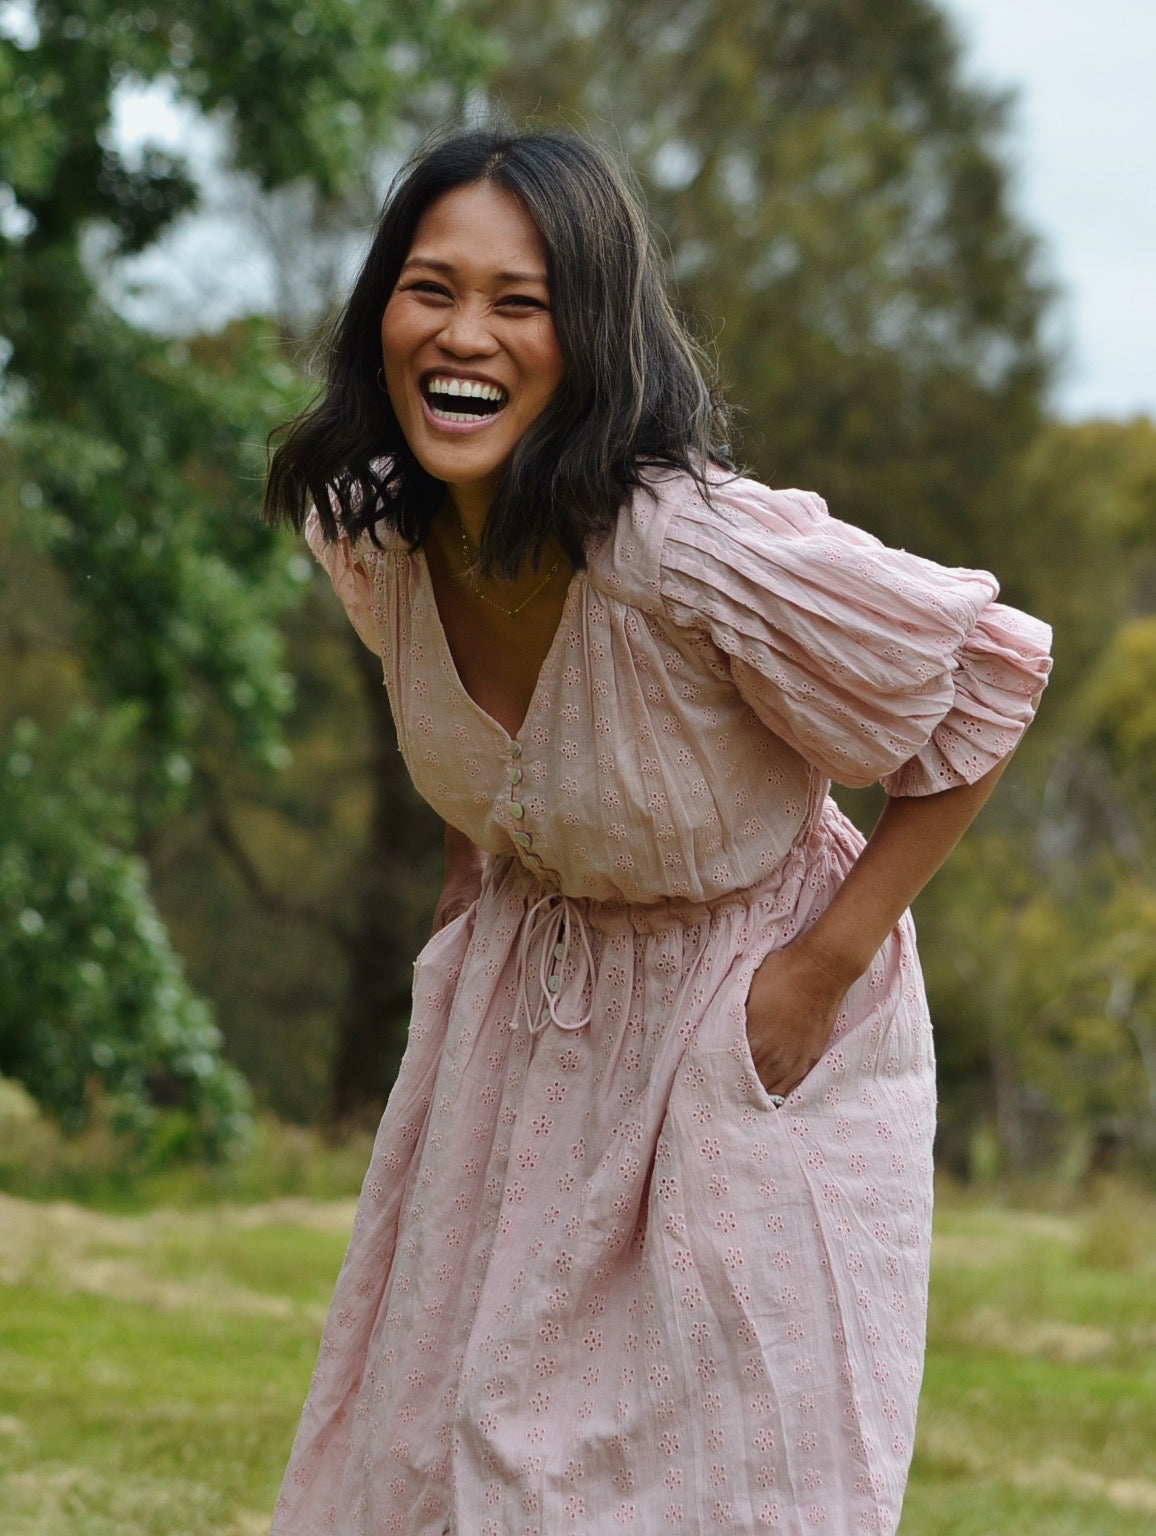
463	878
797	991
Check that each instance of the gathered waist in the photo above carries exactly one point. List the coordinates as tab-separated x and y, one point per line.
557	931
830	836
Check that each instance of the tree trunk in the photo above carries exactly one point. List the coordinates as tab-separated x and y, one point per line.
393	899
1009	1117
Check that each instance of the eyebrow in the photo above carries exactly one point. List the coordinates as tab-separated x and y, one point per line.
450	270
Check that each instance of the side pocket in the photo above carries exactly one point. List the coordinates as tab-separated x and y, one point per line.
439	963
749	963
721	1044
850	1007
859	1036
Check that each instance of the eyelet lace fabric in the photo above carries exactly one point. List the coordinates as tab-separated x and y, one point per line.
598	1279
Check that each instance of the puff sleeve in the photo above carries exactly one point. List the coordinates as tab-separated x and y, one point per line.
351	572
872	663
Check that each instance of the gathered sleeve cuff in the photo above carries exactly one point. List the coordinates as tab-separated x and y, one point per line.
872	663
1003	669
351	576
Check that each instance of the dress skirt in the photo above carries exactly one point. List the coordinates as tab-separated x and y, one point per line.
598	1280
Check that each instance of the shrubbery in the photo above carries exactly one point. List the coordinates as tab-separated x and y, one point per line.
94	1003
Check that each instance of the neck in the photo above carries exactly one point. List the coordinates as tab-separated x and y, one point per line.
458	543
471	508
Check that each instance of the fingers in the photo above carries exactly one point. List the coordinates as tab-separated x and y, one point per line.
781	1076
447	914
788	1023
785	1053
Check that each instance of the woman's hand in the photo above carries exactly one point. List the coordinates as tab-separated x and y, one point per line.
791	1010
463	879
451	903
796	992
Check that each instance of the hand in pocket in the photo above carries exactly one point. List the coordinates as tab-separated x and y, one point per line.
791	1010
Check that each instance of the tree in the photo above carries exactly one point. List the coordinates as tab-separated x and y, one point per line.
836	205
139	461
835	200
91	991
1040	936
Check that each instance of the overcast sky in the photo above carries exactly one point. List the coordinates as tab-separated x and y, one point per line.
1084	149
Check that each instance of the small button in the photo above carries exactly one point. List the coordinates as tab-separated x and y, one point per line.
559	951
523	839
515	749
532	858
515	775
555	983
517	811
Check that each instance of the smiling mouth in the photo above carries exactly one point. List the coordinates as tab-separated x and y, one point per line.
451	399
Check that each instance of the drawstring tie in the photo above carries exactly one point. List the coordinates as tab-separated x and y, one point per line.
554	937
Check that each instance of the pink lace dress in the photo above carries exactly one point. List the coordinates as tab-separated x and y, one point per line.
597	1280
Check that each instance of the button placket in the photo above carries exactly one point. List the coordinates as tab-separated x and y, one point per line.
524	839
517	809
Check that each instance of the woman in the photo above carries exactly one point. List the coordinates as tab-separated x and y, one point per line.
644	1237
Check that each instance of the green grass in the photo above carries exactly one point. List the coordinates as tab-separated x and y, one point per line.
1039	1406
152	1367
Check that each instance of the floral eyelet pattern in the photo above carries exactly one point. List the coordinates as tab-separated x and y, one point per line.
597	1280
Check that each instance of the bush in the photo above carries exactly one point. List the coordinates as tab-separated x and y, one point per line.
99	1166
94	1004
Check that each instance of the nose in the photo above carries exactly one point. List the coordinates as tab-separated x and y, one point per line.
467	331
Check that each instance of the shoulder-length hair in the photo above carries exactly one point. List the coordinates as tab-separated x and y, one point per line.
634	392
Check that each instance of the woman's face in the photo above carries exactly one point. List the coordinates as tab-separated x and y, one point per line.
468	344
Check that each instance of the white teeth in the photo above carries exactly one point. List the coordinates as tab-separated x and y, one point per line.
472	389
458	415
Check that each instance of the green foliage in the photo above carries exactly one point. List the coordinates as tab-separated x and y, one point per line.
143	461
836	204
1051	981
305	93
93	1001
1119	705
270	939
1077	540
139	503
312	92
137	464
99	1167
1039	936
144	500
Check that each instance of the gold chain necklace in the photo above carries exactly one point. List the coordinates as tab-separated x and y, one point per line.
470	558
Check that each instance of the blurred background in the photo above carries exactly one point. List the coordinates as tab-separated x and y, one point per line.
213	875
931	300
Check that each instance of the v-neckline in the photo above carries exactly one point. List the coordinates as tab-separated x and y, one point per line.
564	620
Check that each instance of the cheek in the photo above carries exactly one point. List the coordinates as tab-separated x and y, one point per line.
403	329
396	350
550	367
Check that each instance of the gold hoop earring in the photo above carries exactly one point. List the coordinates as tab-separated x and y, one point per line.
381	384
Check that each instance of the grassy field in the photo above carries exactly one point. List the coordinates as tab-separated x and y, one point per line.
152	1367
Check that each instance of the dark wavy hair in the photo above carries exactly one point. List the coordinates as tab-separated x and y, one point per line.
634	392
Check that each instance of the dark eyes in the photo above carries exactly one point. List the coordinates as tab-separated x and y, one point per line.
512	301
